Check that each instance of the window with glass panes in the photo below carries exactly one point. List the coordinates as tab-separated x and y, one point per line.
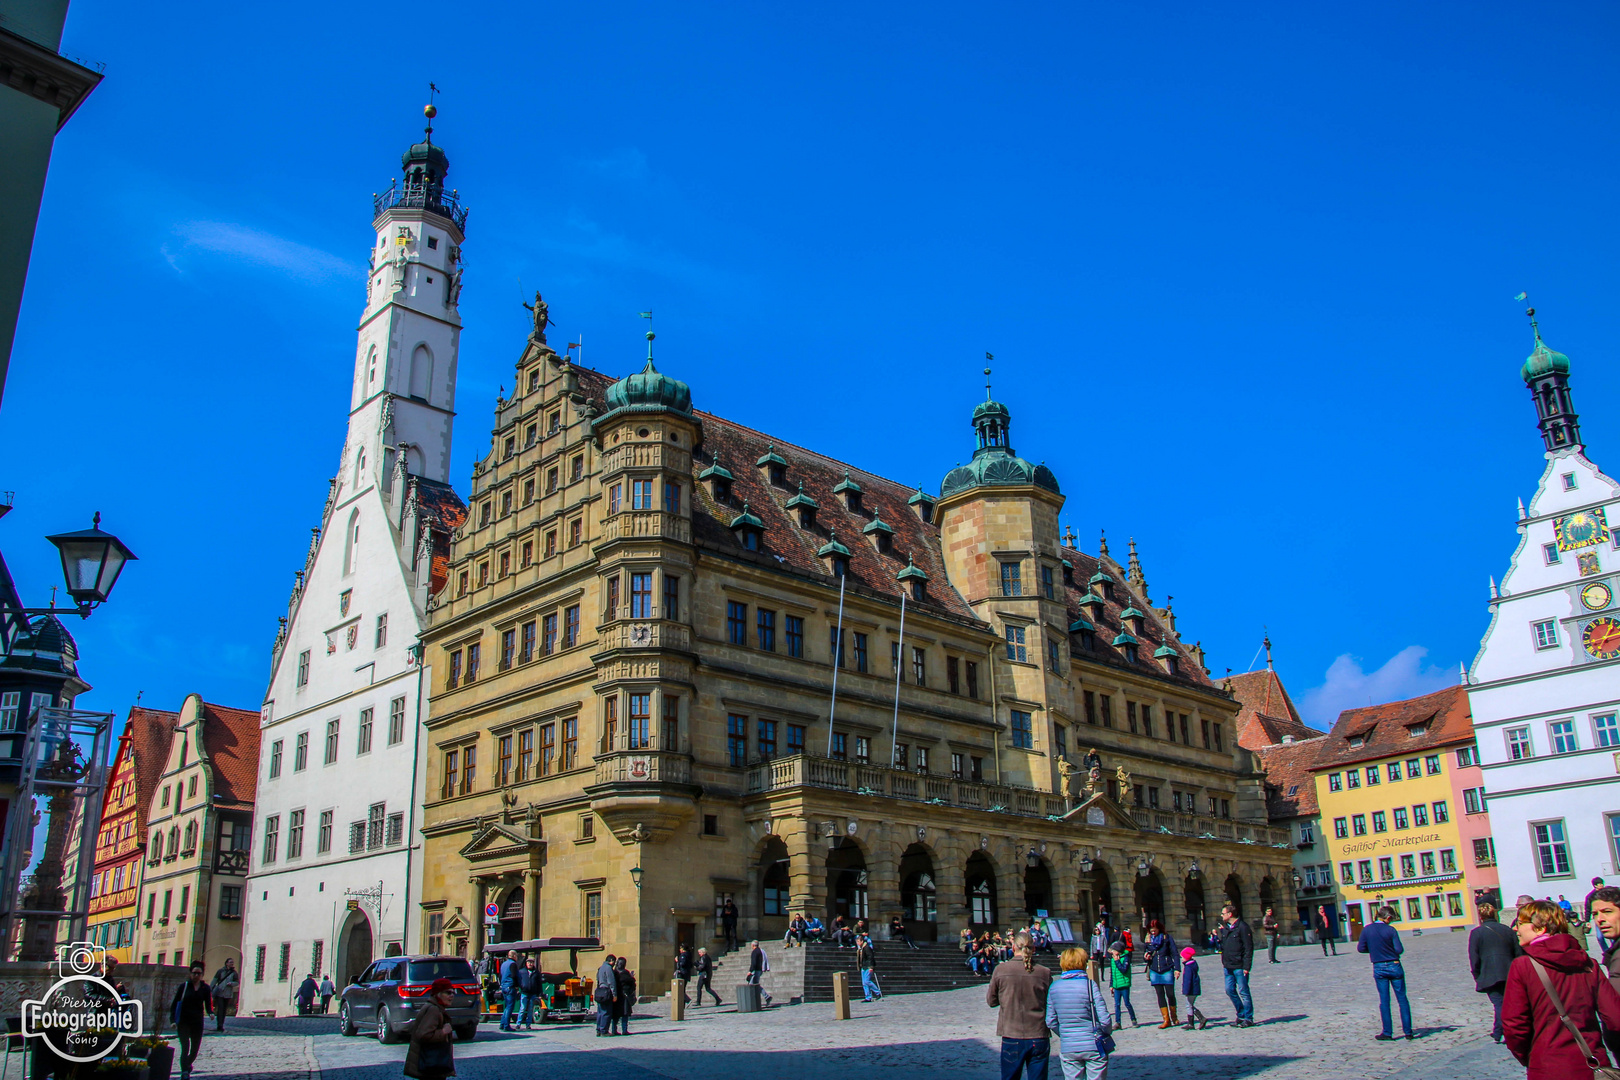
525	754
1023	735
641	596
671	734
640	719
571	626
641	497
736	622
548	749
766	739
1420	815
1400	817
1605	730
503	760
795	738
331	741
569	754
1562	733
835	645
1552	848
396	721
363	746
919	665
860	651
737	739
672	596
1048	586
840	746
1015	645
765	629
548	635
1011	583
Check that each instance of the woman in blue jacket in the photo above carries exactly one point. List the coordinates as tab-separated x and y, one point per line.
1077	1013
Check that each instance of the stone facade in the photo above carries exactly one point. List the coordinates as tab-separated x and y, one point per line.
635	666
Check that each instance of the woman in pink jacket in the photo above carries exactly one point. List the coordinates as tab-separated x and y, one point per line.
1531	1027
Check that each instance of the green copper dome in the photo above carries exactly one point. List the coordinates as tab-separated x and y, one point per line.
649	391
1543	361
994	464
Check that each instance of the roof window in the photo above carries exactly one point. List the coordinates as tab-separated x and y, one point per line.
804	506
882	535
748	529
775	466
719	479
851	491
923	503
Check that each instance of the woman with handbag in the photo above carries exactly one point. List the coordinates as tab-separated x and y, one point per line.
1077	1012
430	1056
1162	965
1554	999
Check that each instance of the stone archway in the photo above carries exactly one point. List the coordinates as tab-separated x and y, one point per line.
981	891
919	893
1148	894
1096	897
1234	893
775	883
1037	889
1268	897
1197	908
846	881
355	947
510	927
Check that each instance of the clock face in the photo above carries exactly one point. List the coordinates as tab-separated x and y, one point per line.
1602	638
1596	596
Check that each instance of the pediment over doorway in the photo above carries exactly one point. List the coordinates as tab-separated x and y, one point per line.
496	840
1101	812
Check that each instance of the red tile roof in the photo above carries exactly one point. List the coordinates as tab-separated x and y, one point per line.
439	507
1387	730
1268	713
1290	786
148	733
231	738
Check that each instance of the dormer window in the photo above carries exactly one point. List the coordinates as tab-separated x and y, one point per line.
881	534
916	580
1167	655
719	480
924	505
748	529
805	507
1102	584
835	556
1132	618
1126	644
1068	572
851	491
1357	741
775	467
1087	632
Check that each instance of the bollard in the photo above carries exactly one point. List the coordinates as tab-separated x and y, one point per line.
840	995
677	999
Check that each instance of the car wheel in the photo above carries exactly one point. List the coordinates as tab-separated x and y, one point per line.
345	1021
385	1029
467	1032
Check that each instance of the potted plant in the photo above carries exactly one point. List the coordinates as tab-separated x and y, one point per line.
158	1053
120	1068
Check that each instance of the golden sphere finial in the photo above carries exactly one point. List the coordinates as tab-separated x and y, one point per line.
430	111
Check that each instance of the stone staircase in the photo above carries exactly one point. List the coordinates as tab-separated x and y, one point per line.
806	974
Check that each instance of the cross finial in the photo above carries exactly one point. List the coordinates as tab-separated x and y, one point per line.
987	356
431	111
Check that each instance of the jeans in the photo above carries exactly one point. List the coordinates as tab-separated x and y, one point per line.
604	1016
703	984
754	977
1122	995
1237	988
1026	1056
621	1023
1495	995
1083	1064
190	1036
1391	976
869	984
509	1008
1271	949
526	1010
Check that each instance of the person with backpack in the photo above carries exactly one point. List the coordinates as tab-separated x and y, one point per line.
1191	987
1162	965
192	1003
1555	998
866	963
224	987
1077	1012
1119	972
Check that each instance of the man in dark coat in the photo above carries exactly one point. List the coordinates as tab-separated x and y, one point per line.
756	970
1491	949
308	990
1237	958
728	922
683	972
705	972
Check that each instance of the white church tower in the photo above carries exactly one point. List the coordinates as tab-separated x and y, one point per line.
1545	686
336	866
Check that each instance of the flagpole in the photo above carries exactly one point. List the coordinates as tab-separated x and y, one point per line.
899	670
837	645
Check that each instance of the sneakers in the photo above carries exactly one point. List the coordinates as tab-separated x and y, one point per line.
1382	1037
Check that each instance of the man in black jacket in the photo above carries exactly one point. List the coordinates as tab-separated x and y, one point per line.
728	922
1237	957
705	972
756	969
1491	949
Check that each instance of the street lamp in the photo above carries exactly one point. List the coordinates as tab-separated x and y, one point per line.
1032	858
91	562
635	875
1299	882
1192	871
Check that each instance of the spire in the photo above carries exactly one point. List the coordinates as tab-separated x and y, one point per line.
1266	641
1102	545
1546	373
1134	574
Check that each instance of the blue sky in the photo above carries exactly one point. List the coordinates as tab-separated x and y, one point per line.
1247	272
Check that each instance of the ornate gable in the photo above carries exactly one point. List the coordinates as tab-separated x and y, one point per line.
496	840
1100	811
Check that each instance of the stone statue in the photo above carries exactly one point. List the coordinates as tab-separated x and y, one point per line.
1124	779
542	317
1093	769
1065	770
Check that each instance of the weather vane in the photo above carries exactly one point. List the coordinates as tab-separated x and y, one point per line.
989	357
648	316
1530	313
432	110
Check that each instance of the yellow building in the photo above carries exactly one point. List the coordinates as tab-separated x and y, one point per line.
1393	783
143	750
635	663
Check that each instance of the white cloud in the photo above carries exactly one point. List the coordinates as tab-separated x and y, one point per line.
1347	686
253	247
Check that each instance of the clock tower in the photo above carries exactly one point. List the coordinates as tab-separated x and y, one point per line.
1543	685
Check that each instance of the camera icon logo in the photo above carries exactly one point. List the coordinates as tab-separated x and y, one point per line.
79	958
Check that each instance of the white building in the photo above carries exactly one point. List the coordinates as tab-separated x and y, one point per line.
1545	687
335	870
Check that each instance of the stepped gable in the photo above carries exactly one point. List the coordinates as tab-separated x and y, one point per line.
149	731
231	738
1268	714
1290	786
1106	619
739	447
1386	730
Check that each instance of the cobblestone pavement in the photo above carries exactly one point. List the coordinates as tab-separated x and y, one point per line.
1316	1019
